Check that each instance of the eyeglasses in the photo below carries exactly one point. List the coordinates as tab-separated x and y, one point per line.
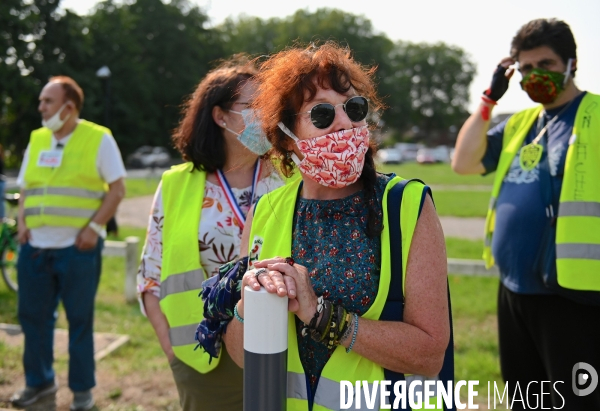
323	114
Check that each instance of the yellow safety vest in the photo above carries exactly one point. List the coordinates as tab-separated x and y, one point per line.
182	273
68	195
578	223
271	233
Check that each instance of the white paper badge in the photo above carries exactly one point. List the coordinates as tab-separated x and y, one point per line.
50	158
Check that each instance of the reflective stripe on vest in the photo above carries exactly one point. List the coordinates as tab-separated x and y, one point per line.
578	250
183	335
70	194
179	283
272	230
59	211
329	391
181	273
579	209
66	191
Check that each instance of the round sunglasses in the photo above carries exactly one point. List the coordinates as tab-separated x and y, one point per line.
323	114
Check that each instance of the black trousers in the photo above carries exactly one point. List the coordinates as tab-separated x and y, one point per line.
541	338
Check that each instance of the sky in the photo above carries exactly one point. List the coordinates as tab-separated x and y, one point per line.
484	29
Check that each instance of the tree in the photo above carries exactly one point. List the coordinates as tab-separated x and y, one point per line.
157	53
423	85
25	58
429	87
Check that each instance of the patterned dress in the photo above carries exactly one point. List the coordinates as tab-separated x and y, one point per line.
343	263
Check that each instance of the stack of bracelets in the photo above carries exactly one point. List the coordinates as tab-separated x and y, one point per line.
336	325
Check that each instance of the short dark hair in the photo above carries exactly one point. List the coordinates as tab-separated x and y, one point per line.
553	33
72	90
198	138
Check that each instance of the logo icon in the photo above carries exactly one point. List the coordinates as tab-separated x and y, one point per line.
585	379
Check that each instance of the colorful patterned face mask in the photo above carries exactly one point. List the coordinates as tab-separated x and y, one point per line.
334	160
544	86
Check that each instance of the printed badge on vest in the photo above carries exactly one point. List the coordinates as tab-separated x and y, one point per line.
50	158
257	244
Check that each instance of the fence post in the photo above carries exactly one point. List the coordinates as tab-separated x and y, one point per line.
265	351
131	267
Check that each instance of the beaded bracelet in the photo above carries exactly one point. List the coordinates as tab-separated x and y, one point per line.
337	327
237	315
355	324
348	328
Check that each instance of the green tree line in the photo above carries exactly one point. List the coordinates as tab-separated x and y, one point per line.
158	52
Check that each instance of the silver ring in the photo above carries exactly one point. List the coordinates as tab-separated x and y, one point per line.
259	272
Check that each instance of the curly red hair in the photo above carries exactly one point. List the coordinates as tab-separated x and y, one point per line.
291	77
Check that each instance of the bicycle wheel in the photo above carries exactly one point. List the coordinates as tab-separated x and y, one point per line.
8	264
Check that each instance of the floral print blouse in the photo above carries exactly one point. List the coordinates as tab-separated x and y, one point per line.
343	263
219	235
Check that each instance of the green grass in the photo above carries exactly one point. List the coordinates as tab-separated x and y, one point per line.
463	248
435	174
137	187
475	330
474	316
461	203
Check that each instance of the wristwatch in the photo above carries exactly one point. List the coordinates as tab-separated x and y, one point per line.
100	230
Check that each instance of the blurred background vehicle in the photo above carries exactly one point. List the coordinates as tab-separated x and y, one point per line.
426	156
389	156
439	154
148	156
408	151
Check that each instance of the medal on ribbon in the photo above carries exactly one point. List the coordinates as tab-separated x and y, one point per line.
530	156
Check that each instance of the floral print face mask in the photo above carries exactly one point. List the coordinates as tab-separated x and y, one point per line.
334	160
544	86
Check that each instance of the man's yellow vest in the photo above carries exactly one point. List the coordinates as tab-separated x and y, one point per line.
68	195
182	273
272	227
578	223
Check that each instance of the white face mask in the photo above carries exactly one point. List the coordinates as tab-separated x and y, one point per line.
54	123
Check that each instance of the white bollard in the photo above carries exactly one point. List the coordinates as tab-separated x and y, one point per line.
265	351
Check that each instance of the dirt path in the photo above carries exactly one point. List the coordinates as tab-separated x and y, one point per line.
468	228
134	212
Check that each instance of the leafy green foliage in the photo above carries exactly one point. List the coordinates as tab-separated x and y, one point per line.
158	52
423	85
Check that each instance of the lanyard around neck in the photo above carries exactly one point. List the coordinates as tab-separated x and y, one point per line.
233	204
542	120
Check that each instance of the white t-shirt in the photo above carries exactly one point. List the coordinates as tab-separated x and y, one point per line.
110	167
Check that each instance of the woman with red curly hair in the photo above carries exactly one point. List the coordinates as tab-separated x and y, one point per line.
327	241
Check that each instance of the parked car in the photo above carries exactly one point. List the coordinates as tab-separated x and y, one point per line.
389	156
441	153
148	156
408	151
426	156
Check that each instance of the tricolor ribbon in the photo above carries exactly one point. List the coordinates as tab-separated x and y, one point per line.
233	204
